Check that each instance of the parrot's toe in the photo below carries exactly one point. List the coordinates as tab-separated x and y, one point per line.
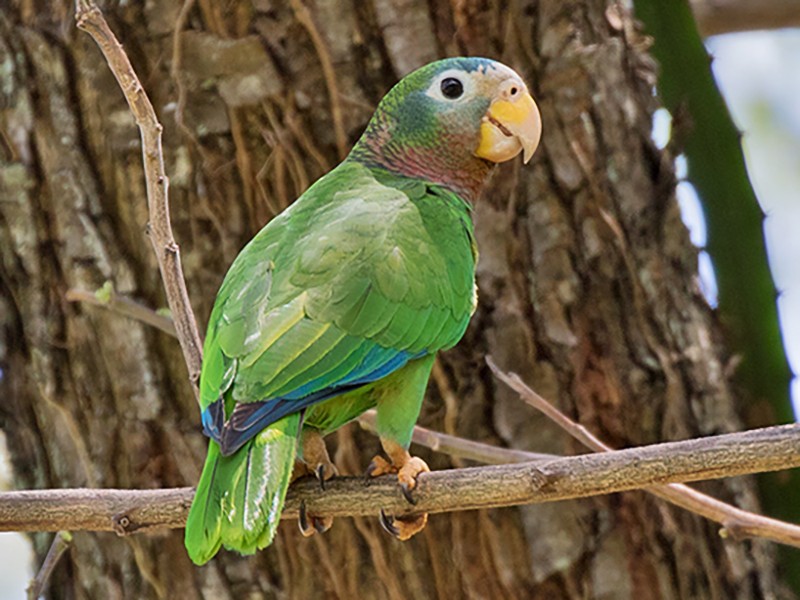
309	525
403	528
379	466
324	472
407	476
407	493
316	458
387	522
406	466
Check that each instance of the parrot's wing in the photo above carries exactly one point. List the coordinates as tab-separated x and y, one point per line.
362	278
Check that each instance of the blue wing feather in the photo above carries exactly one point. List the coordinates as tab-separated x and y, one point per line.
247	419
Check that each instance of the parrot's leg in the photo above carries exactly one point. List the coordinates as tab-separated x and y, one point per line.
406	466
316	461
315	456
398	399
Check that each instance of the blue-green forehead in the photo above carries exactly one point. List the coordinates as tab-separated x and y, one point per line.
467	64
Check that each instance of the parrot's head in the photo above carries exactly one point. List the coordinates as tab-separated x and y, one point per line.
450	121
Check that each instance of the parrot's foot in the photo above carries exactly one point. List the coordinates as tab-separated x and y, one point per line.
406	466
403	528
407	476
309	525
315	457
314	461
379	466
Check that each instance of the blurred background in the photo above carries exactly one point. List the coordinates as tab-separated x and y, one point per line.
759	77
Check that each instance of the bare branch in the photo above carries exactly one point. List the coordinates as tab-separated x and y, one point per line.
737	523
461	448
90	19
303	15
57	549
128	511
727	16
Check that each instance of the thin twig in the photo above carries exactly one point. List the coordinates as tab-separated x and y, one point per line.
175	69
89	18
124	306
460	447
303	15
737	523
129	511
57	549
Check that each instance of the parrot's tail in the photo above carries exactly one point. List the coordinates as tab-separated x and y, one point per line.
239	498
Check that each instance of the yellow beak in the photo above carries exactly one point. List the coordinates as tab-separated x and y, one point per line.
511	125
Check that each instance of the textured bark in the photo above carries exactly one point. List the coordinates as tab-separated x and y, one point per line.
587	278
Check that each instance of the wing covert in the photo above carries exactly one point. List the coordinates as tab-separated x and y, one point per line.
348	285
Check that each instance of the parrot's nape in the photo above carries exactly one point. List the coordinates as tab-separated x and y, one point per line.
340	303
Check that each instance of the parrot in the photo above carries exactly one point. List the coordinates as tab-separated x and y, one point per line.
341	302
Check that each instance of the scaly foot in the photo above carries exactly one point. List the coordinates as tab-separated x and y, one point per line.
315	461
403	528
316	458
407	468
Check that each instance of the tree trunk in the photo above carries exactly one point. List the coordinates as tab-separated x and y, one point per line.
587	288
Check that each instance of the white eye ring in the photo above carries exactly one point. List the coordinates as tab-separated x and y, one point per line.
464	78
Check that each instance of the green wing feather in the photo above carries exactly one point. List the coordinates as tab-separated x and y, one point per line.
360	261
354	257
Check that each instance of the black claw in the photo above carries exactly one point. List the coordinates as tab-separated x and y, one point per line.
407	494
387	523
302	518
370	470
320	473
319	525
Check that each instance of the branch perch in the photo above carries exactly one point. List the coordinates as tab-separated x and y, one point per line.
737	523
129	511
727	16
59	546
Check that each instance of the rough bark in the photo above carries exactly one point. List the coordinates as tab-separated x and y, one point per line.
587	278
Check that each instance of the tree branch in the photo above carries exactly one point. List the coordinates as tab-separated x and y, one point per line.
124	306
57	549
91	20
129	511
737	523
728	16
461	448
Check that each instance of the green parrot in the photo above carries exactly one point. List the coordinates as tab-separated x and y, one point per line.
340	303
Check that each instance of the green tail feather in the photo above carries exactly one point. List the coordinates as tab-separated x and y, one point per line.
239	498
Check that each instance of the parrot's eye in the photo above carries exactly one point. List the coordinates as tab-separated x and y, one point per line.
451	88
